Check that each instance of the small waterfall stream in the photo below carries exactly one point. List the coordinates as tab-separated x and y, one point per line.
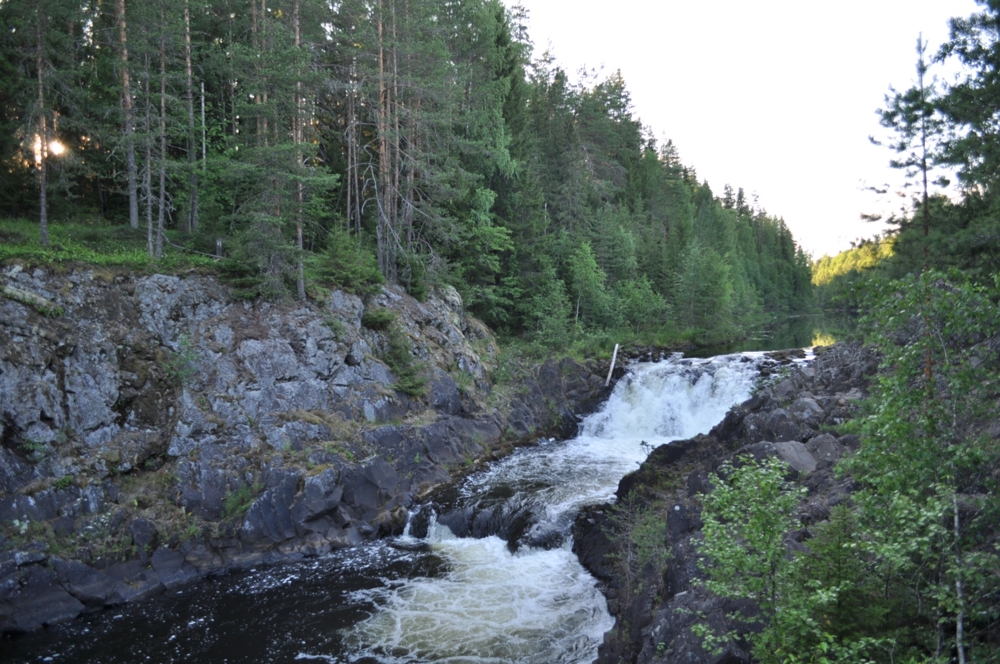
485	575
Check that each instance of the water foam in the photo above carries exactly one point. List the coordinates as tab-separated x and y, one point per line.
492	606
535	605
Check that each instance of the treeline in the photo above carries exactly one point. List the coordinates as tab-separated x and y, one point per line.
836	278
907	570
937	131
416	141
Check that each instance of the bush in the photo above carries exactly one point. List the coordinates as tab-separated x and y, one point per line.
347	262
399	359
377	318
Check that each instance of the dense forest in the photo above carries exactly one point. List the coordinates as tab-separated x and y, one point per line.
306	145
907	571
421	142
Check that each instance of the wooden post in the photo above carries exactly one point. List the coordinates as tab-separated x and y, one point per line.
614	358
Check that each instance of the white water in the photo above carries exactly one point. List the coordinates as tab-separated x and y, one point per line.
536	605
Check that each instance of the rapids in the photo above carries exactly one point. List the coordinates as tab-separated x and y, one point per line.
484	575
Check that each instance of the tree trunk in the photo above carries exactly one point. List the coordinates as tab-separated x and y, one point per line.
921	69
396	156
192	220
959	586
387	235
163	134
353	186
43	130
297	138
147	174
130	170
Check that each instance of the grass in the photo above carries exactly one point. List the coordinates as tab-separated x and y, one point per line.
236	503
93	242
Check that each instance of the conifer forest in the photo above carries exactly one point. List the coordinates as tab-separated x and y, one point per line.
417	141
296	148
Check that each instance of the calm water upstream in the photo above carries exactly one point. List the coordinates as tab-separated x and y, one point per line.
487	575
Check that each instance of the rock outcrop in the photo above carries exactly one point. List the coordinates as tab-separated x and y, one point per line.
153	430
784	419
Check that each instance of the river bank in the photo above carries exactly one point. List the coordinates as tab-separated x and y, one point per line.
483	570
153	431
788	419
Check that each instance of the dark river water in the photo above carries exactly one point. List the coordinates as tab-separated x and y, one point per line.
485	576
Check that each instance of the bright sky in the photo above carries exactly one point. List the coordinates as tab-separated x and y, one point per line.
775	96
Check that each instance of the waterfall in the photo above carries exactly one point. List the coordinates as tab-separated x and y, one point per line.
513	591
485	576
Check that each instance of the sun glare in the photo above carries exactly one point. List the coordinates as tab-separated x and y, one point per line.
55	149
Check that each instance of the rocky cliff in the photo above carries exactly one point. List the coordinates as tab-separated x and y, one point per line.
786	419
153	430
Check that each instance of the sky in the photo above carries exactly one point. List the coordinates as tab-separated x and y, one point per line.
778	97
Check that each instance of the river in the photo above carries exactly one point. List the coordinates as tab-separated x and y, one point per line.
484	575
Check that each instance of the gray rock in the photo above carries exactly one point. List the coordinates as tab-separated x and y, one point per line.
796	455
825	447
204	483
172	569
793	453
145	536
88	585
784	390
22	558
443	394
269	519
40	600
807	411
776	425
134	582
319	499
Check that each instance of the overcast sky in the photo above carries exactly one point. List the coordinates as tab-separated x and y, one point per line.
775	96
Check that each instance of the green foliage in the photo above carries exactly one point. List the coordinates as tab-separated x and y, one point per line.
704	288
182	365
91	242
904	574
588	291
399	358
928	503
378	318
815	607
836	277
540	199
237	502
746	518
397	353
348	263
336	326
641	531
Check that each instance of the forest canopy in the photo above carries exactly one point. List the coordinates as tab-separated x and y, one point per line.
421	142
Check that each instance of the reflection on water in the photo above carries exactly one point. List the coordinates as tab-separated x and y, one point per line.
788	332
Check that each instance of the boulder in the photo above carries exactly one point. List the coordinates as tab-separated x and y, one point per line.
793	453
90	586
39	599
318	501
825	447
776	425
807	411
